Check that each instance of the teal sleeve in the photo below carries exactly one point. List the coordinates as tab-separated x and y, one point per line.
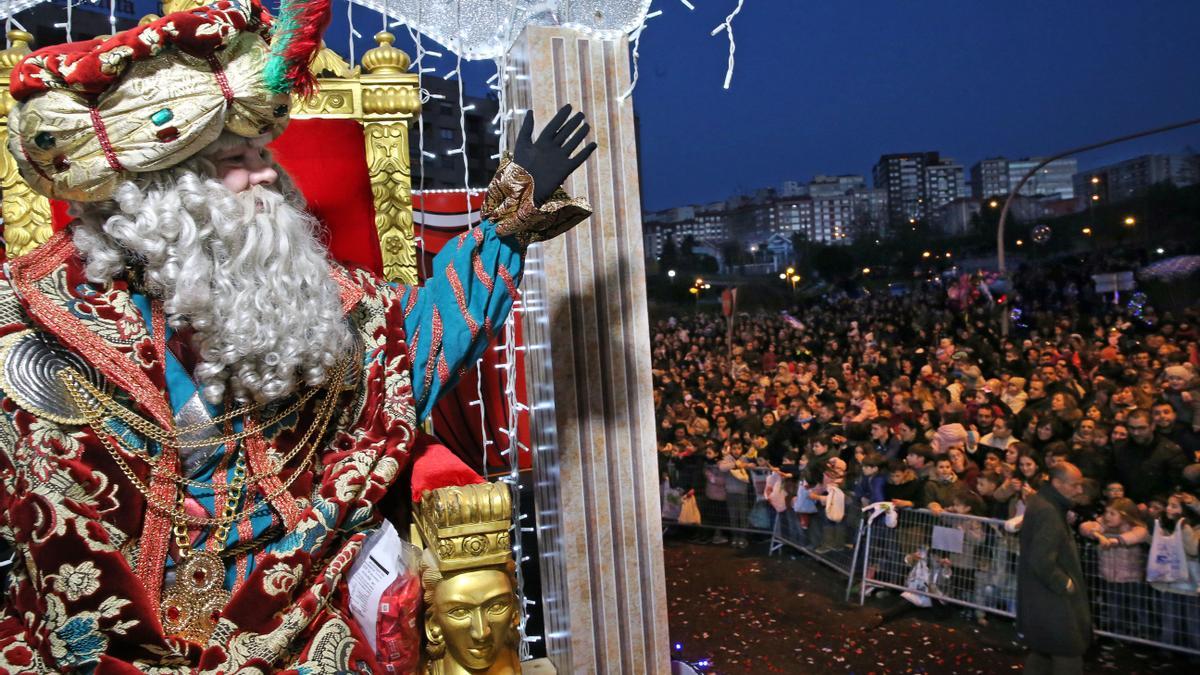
450	320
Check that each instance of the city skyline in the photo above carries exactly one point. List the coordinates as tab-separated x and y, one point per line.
883	78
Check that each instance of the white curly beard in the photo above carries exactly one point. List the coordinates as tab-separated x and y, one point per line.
245	271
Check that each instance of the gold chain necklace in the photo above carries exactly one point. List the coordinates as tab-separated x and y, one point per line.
96	422
191	606
170	437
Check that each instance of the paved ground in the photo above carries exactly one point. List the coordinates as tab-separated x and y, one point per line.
749	613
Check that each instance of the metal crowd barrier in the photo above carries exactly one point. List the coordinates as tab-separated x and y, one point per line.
972	562
832	544
946	558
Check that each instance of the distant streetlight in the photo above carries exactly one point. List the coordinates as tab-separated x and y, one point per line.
783	276
791	271
994	204
926	254
699	281
947	254
1016	189
1095	180
671	273
1158	251
1130	221
1095	198
1020	242
866	270
1087	231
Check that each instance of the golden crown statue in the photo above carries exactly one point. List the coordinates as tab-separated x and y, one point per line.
467	526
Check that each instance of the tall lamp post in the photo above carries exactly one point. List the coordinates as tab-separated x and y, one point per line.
1032	172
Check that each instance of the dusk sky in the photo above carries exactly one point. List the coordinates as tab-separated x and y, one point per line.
826	86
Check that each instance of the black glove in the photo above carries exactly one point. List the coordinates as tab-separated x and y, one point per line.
548	159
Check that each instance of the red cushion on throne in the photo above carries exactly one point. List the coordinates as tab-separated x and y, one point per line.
328	161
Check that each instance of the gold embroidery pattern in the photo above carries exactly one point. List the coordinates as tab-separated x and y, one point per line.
509	204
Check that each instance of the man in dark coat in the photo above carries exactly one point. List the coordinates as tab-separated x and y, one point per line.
1149	463
1052	601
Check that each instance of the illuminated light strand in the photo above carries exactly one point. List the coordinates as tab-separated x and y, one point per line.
636	38
513	409
462	113
727	26
418	64
353	33
66	25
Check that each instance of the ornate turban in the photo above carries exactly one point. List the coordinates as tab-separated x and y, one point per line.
91	113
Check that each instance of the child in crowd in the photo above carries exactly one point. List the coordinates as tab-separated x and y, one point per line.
713	508
827	528
919	459
817	456
986	486
963	564
1178	605
869	488
739	492
1121	536
904	489
1112	491
791	472
940	491
996	564
1154	507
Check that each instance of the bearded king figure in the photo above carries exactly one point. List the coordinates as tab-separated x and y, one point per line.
200	413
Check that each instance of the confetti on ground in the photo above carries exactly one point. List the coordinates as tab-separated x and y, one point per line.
749	613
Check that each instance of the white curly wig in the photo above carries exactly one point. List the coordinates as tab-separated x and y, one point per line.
245	271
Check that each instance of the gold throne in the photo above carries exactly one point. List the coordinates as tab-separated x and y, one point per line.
383	97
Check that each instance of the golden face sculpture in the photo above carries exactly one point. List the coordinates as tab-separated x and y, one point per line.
472	622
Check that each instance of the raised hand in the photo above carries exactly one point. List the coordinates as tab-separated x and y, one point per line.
548	159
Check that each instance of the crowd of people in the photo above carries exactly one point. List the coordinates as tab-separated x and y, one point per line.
918	400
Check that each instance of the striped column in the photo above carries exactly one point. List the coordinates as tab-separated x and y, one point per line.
595	463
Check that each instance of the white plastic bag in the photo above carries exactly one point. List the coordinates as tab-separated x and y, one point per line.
672	501
918	584
835	504
804	502
775	492
1167	562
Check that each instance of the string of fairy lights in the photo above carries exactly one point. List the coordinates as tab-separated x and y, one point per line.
384	7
